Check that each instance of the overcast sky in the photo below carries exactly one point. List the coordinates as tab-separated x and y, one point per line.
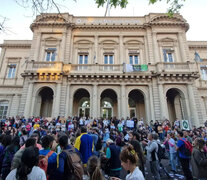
19	19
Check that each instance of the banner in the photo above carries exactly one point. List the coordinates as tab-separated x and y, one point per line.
136	68
185	125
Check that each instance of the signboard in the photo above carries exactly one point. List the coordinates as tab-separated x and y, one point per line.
185	125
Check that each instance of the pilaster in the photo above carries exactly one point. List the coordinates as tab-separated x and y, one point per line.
57	100
28	100
192	104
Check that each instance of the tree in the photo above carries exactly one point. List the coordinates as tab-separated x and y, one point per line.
41	6
44	6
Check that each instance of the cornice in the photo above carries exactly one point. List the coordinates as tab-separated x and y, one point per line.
15	45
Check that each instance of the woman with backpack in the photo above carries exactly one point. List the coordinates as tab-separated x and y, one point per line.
28	170
199	160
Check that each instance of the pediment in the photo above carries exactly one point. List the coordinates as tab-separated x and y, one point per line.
51	18
108	42
133	42
83	41
167	19
167	40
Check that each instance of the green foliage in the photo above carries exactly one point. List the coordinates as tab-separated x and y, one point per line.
113	3
174	5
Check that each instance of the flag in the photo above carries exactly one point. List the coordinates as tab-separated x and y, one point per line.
136	68
197	58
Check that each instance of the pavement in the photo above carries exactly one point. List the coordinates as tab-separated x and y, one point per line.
174	176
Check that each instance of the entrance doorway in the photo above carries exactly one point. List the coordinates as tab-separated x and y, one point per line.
136	104
81	103
45	102
109	104
175	103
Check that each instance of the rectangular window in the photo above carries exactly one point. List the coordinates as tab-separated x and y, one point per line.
133	59
50	54
3	109
168	55
11	71
109	59
83	59
204	73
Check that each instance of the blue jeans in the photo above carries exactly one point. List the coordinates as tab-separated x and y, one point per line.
173	157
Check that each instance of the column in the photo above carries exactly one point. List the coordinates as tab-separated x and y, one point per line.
147	109
163	103
192	105
94	101
70	105
155	45
123	103
67	101
28	100
63	48
182	50
119	107
121	58
99	106
151	103
57	100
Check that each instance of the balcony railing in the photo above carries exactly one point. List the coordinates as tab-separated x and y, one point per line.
60	67
176	67
44	67
96	68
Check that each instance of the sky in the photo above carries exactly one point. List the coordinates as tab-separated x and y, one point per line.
19	18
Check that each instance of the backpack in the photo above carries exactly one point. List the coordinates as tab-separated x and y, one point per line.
160	152
43	161
98	144
188	148
73	168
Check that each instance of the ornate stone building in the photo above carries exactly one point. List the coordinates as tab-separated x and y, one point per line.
80	66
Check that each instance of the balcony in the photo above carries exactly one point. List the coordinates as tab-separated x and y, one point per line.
42	67
177	67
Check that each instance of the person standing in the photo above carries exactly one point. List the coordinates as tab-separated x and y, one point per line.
199	160
112	154
84	144
129	160
184	159
152	149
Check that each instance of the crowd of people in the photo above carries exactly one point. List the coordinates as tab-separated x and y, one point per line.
85	148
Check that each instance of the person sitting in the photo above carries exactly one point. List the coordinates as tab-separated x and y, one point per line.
28	169
129	161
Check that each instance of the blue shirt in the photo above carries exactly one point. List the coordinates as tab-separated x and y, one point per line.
181	146
52	161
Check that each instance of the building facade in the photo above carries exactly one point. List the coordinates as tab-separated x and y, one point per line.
105	67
